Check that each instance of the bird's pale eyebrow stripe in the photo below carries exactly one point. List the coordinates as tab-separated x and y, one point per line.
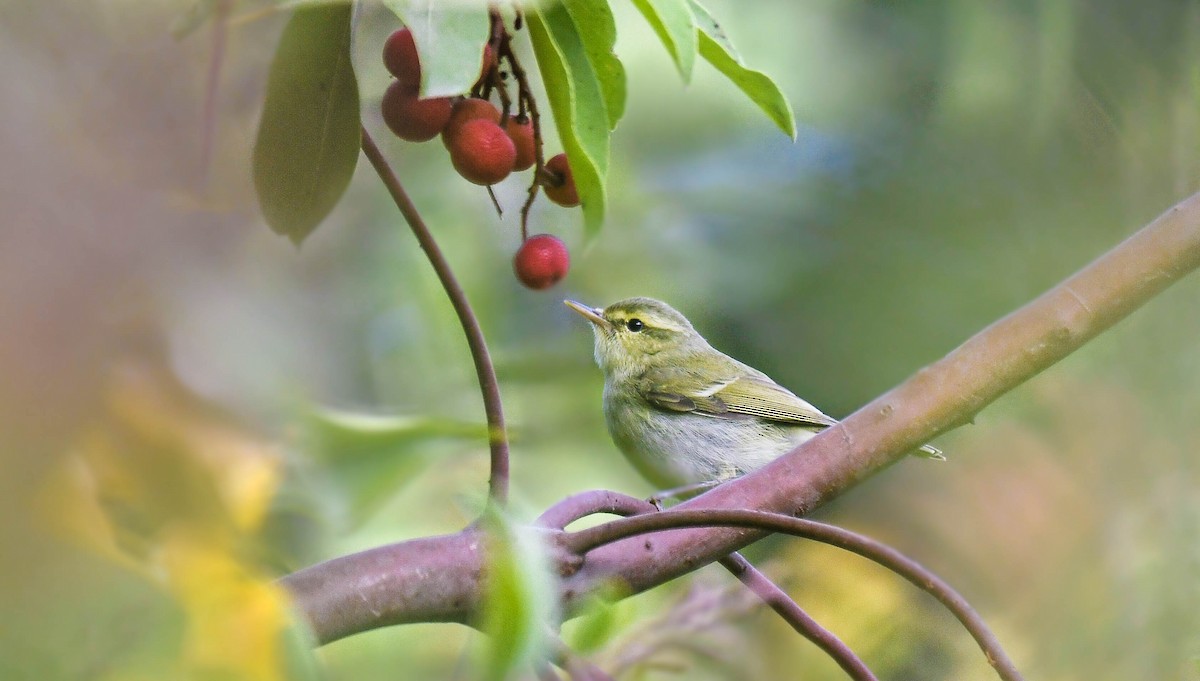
658	324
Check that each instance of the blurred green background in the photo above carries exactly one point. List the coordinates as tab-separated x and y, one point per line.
954	160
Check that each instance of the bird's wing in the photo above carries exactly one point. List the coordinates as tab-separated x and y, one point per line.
764	398
677	389
732	395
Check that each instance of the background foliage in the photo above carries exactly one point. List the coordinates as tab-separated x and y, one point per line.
952	161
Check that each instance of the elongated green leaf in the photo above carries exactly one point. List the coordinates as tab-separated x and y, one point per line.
717	49
309	135
450	37
518	597
708	25
577	104
589	107
597	31
672	21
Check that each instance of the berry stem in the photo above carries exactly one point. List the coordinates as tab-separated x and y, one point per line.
525	102
495	202
499	38
485	372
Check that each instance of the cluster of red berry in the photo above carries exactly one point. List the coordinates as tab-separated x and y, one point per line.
484	145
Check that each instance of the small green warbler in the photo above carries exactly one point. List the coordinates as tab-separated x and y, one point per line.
681	411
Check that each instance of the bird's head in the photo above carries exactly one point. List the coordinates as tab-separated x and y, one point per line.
635	334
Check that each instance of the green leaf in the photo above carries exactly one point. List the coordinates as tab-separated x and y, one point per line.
673	22
369	458
519	602
707	25
308	138
450	37
580	114
597	31
717	49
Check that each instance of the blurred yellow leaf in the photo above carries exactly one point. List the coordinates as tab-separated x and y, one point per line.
161	458
236	618
175	489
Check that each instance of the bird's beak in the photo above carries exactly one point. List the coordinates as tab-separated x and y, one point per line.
592	314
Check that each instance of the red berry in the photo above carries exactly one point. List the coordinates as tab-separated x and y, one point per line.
481	152
400	58
542	261
412	119
520	131
561	188
468	109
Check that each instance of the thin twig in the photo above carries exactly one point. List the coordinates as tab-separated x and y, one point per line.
525	100
793	614
592	502
594	537
484	371
495	202
604	501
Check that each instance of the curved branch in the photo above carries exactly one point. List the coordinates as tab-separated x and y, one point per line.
484	371
592	502
604	501
584	541
791	612
938	398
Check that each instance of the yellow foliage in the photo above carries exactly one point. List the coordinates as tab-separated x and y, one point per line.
170	487
236	618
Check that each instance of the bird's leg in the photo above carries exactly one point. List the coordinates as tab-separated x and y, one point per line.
682	492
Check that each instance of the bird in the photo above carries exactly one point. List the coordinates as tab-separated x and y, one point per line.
682	412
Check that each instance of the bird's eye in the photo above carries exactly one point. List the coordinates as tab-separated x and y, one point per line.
634	325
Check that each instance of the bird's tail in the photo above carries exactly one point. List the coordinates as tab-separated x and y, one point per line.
930	452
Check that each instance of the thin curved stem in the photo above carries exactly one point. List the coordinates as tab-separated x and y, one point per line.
484	371
595	537
783	605
525	102
592	502
604	501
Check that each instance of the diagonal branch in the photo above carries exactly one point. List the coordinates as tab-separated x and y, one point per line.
488	385
437	579
938	398
604	501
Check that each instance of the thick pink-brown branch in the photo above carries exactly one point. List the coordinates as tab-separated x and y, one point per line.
444	570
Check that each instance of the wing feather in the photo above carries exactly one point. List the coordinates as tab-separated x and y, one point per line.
729	395
766	399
